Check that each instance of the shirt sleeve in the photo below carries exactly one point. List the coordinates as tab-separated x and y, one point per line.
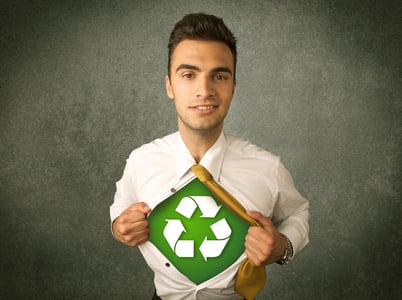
125	193
291	214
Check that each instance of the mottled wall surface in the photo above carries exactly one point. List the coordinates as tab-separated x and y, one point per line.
82	84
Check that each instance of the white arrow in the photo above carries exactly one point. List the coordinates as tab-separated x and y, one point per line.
186	207
207	205
185	248
212	248
221	229
173	231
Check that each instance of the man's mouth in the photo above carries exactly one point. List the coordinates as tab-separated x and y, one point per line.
204	107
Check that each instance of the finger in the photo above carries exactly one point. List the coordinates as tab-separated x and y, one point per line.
132	232
137	238
256	234
140	207
131	217
139	226
254	255
265	222
259	239
133	226
258	248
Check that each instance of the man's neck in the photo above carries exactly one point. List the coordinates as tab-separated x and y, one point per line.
199	142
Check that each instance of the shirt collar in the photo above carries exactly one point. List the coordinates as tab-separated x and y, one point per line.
212	159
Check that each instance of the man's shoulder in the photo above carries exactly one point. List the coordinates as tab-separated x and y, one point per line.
244	148
159	145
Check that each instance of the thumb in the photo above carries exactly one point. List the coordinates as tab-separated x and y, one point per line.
259	218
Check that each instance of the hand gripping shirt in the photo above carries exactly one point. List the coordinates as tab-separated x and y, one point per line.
255	177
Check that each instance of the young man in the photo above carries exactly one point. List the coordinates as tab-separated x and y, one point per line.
201	82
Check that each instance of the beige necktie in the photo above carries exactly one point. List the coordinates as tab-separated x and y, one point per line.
250	279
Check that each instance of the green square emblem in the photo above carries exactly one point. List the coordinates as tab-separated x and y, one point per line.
196	232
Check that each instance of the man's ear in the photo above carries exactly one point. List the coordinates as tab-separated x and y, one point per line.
169	90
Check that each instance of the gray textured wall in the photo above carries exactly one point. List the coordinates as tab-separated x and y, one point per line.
81	85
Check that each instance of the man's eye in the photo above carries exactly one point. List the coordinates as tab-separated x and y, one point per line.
188	75
220	77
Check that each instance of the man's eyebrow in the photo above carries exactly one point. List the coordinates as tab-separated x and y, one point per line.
222	70
187	67
195	68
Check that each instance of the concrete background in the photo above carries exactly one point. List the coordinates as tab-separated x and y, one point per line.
82	84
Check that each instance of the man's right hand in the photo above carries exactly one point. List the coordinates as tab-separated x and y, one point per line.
131	227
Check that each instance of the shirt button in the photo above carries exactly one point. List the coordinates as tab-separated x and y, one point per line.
167	264
173	190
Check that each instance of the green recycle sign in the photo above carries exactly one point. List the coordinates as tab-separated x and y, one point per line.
199	235
209	209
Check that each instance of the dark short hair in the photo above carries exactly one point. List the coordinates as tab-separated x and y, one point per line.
201	26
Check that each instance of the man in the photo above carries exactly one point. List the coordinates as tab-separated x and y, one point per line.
201	82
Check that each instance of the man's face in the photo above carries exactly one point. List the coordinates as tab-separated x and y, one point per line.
201	84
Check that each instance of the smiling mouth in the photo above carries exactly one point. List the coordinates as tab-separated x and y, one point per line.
204	107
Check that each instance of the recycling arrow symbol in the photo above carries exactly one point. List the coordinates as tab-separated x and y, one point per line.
209	248
198	235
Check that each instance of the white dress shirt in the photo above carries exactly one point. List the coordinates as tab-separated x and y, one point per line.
255	177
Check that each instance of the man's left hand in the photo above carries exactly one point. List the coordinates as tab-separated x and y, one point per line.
264	245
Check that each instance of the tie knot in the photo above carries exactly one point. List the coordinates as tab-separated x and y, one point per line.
202	174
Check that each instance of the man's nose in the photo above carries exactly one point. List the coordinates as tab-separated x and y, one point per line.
205	87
